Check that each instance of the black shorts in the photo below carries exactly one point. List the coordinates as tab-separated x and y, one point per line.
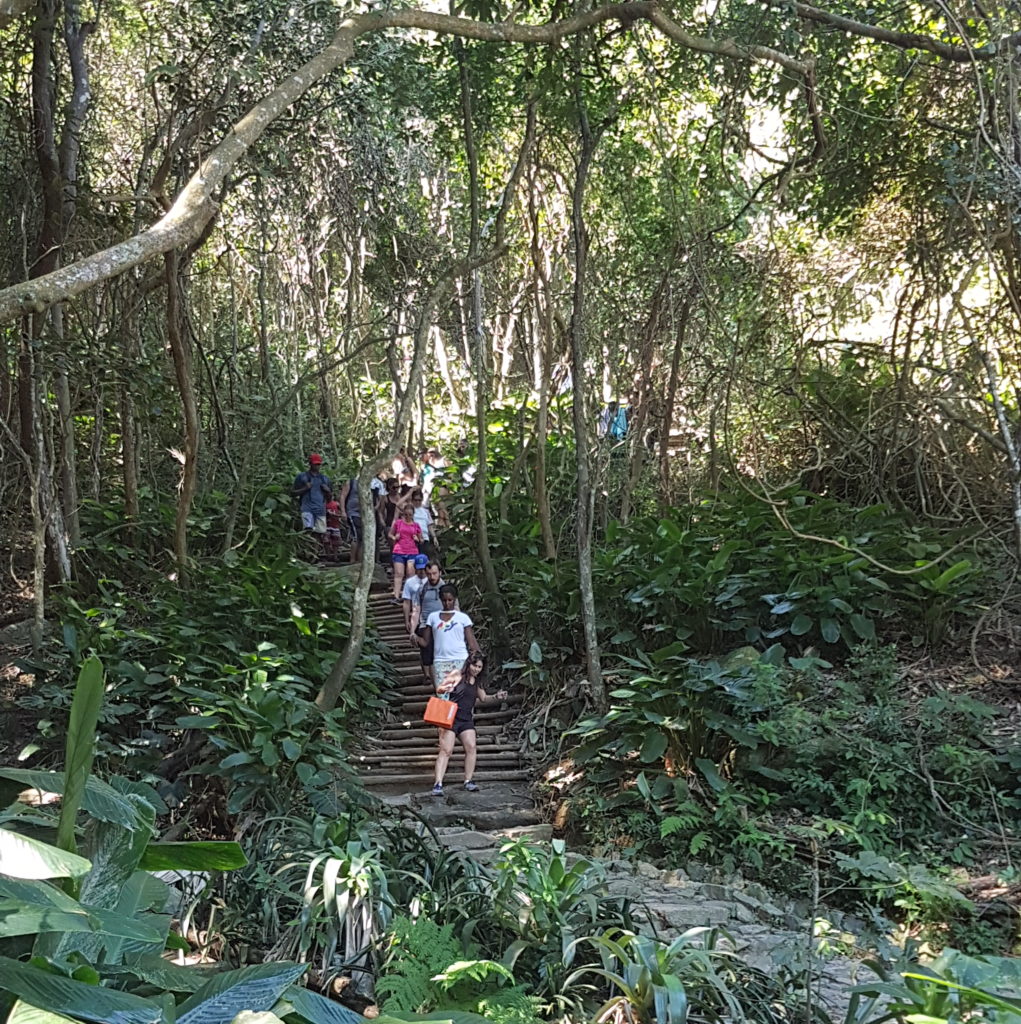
425	653
463	725
354	524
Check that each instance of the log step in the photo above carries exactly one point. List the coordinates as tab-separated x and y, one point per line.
420	705
402	741
501	761
420	730
425	778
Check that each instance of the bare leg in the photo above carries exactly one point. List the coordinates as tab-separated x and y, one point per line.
398	578
443	754
470	753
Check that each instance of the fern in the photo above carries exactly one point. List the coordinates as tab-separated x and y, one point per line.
417	950
510	1006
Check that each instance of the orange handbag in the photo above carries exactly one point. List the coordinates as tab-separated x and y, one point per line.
441	712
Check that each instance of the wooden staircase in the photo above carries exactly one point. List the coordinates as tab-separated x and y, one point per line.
404	751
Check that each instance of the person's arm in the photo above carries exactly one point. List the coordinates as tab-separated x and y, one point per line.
327	488
342	500
499	695
469	639
297	490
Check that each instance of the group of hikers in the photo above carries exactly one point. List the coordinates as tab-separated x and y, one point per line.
452	661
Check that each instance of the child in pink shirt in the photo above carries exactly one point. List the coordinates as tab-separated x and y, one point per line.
405	536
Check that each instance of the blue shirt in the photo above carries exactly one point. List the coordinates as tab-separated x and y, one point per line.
313	501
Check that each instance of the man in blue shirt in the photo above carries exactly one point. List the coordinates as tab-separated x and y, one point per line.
315	490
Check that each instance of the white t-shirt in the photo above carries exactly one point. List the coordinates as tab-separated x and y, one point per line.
424	518
378	487
412	585
448	637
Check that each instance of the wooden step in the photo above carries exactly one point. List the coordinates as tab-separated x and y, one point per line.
417	728
419	705
425	778
394	750
487	741
504	760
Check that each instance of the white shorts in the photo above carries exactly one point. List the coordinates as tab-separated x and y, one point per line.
313	522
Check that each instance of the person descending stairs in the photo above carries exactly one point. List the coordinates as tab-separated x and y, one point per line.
404	752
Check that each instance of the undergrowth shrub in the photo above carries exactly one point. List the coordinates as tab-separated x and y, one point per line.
747	760
218	678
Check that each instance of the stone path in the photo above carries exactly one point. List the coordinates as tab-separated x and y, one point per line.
399	760
767	931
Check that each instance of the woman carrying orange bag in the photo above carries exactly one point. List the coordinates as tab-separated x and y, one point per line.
464	688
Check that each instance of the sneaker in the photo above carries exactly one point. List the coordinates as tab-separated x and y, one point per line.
438	789
471	787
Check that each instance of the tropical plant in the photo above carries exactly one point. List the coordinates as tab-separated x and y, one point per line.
96	923
542	902
947	990
694	976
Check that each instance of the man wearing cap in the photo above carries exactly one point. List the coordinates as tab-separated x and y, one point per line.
315	490
411	587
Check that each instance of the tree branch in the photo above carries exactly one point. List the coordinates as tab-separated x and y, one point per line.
902	40
195	205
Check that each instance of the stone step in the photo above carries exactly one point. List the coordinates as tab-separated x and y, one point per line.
381	779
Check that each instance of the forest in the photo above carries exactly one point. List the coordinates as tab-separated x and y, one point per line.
700	324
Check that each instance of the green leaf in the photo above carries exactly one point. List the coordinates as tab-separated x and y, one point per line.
945	578
654	747
115	853
862	626
25	857
234	760
291	749
79	748
33	907
100	800
162	973
535	653
25	1013
221	999
197	722
800	625
141	894
712	776
74	998
318	1010
830	630
205	855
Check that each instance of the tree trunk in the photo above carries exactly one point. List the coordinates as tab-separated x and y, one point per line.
129	426
65	432
492	599
181	352
577	336
666	498
345	665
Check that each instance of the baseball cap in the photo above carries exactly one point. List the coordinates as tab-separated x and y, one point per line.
316	460
421	561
